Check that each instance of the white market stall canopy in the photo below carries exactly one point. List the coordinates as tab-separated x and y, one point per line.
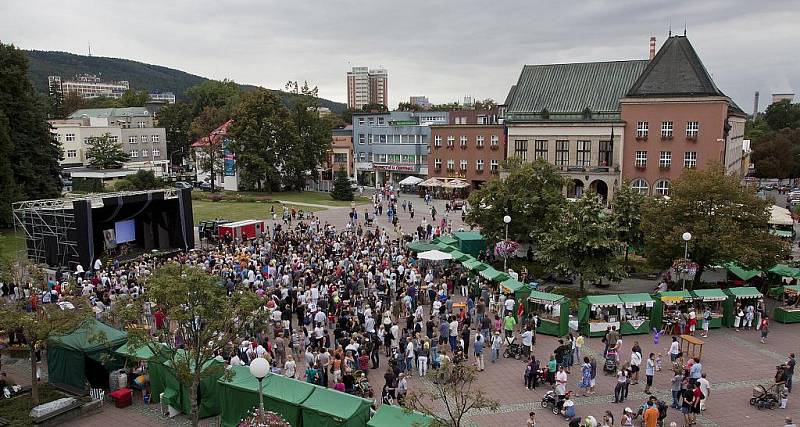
780	216
456	183
431	182
434	255
411	180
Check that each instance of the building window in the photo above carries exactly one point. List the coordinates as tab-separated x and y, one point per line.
665	160
451	165
134	154
479	164
371	121
450	140
140	125
362	157
521	149
540	149
666	129
641	159
70	137
641	130
156	153
495	165
361	121
408	158
71	154
422	159
86	140
437	141
584	153
362	138
437	163
132	139
692	128
381	158
562	153
144	153
382	139
479	141
370	138
640	186
144	138
495	140
113	139
463	165
690	159
392	158
380	121
606	153
662	187
463	141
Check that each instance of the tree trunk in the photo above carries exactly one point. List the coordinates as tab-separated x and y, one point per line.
700	269
582	288
193	399
625	263
34	382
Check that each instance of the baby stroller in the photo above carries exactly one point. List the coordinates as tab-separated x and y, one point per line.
610	364
513	350
387	397
766	398
362	387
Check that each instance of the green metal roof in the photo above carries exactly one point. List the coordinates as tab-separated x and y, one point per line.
571	88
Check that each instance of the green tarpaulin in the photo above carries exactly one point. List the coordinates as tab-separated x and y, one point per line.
784	315
740	272
394	416
744	292
636	299
459	256
512	285
421	246
475	265
281	395
544	298
328	408
444	247
709	295
781	233
491	274
603	300
470	242
785	271
585	306
738	295
163	379
69	355
142	353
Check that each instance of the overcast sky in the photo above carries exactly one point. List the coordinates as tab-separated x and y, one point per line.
442	49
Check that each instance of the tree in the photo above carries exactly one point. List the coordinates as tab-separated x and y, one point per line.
205	320
72	102
727	222
134	98
141	180
307	149
342	190
446	107
41	322
486	104
756	128
104	153
407	106
374	108
223	95
782	115
262	137
584	242
8	188
176	119
35	153
453	387
55	101
531	195
209	155
627	211
777	154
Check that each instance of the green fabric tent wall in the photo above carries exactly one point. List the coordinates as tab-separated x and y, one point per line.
633	300
657	314
745	294
584	307
550	328
281	395
394	416
163	379
66	354
328	408
470	242
710	295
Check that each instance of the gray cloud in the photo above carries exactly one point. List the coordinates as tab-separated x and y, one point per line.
443	49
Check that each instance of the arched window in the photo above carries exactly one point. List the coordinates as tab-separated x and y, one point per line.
640	185
662	187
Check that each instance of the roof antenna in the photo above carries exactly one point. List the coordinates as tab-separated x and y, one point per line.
684	26
90	48
670	27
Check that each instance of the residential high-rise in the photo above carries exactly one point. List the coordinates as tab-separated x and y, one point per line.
365	86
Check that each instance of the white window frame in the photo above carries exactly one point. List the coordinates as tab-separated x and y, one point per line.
437	141
640	185
660	189
133	139
479	164
437	163
154	138
134	154
361	121
495	141
667	129
144	152
642	129
463	141
690	159
462	165
665	159
362	157
70	137
494	165
113	139
72	154
451	165
450	140
156	153
479	141
362	139
692	129
641	159
144	139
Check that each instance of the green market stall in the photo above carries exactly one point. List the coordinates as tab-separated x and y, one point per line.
474	264
163	380
84	355
636	313
714	299
328	408
489	273
470	242
459	256
395	416
553	312
745	296
282	395
520	290
598	312
784	270
667	306
444	247
789	312
419	246
742	274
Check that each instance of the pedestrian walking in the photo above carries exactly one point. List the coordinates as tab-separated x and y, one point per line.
763	326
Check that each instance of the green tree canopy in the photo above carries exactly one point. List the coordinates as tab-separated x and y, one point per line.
8	187
531	195
627	208
176	119
141	180
727	222
782	115
372	108
777	154
584	242
103	153
342	190
307	149
214	93
209	156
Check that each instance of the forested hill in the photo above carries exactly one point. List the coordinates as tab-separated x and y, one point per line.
154	78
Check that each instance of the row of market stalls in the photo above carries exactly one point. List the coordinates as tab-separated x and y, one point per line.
786	291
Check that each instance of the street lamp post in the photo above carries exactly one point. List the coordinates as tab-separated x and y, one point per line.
259	368
686	237
506	220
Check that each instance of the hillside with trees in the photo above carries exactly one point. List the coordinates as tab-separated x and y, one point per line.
141	76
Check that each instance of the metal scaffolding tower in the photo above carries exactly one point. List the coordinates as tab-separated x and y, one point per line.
47	223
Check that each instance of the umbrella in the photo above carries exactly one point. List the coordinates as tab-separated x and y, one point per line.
434	255
411	180
456	183
431	182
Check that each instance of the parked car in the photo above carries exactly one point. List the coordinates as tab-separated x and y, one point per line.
205	186
457	204
181	185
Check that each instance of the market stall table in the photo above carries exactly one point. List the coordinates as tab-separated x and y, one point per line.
553	311
714	299
690	344
597	313
742	295
636	313
790	311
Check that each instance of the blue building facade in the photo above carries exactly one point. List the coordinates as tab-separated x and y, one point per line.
389	147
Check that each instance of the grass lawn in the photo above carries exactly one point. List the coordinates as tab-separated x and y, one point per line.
10	243
315	197
205	210
17	410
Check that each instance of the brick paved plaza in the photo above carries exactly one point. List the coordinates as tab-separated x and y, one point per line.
733	361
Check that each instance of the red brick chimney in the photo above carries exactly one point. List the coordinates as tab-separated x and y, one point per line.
652	47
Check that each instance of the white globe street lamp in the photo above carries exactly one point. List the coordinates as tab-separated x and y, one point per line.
506	220
259	368
686	237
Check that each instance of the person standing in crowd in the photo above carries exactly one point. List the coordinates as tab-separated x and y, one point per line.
497	342
650	371
790	364
705	389
763	326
